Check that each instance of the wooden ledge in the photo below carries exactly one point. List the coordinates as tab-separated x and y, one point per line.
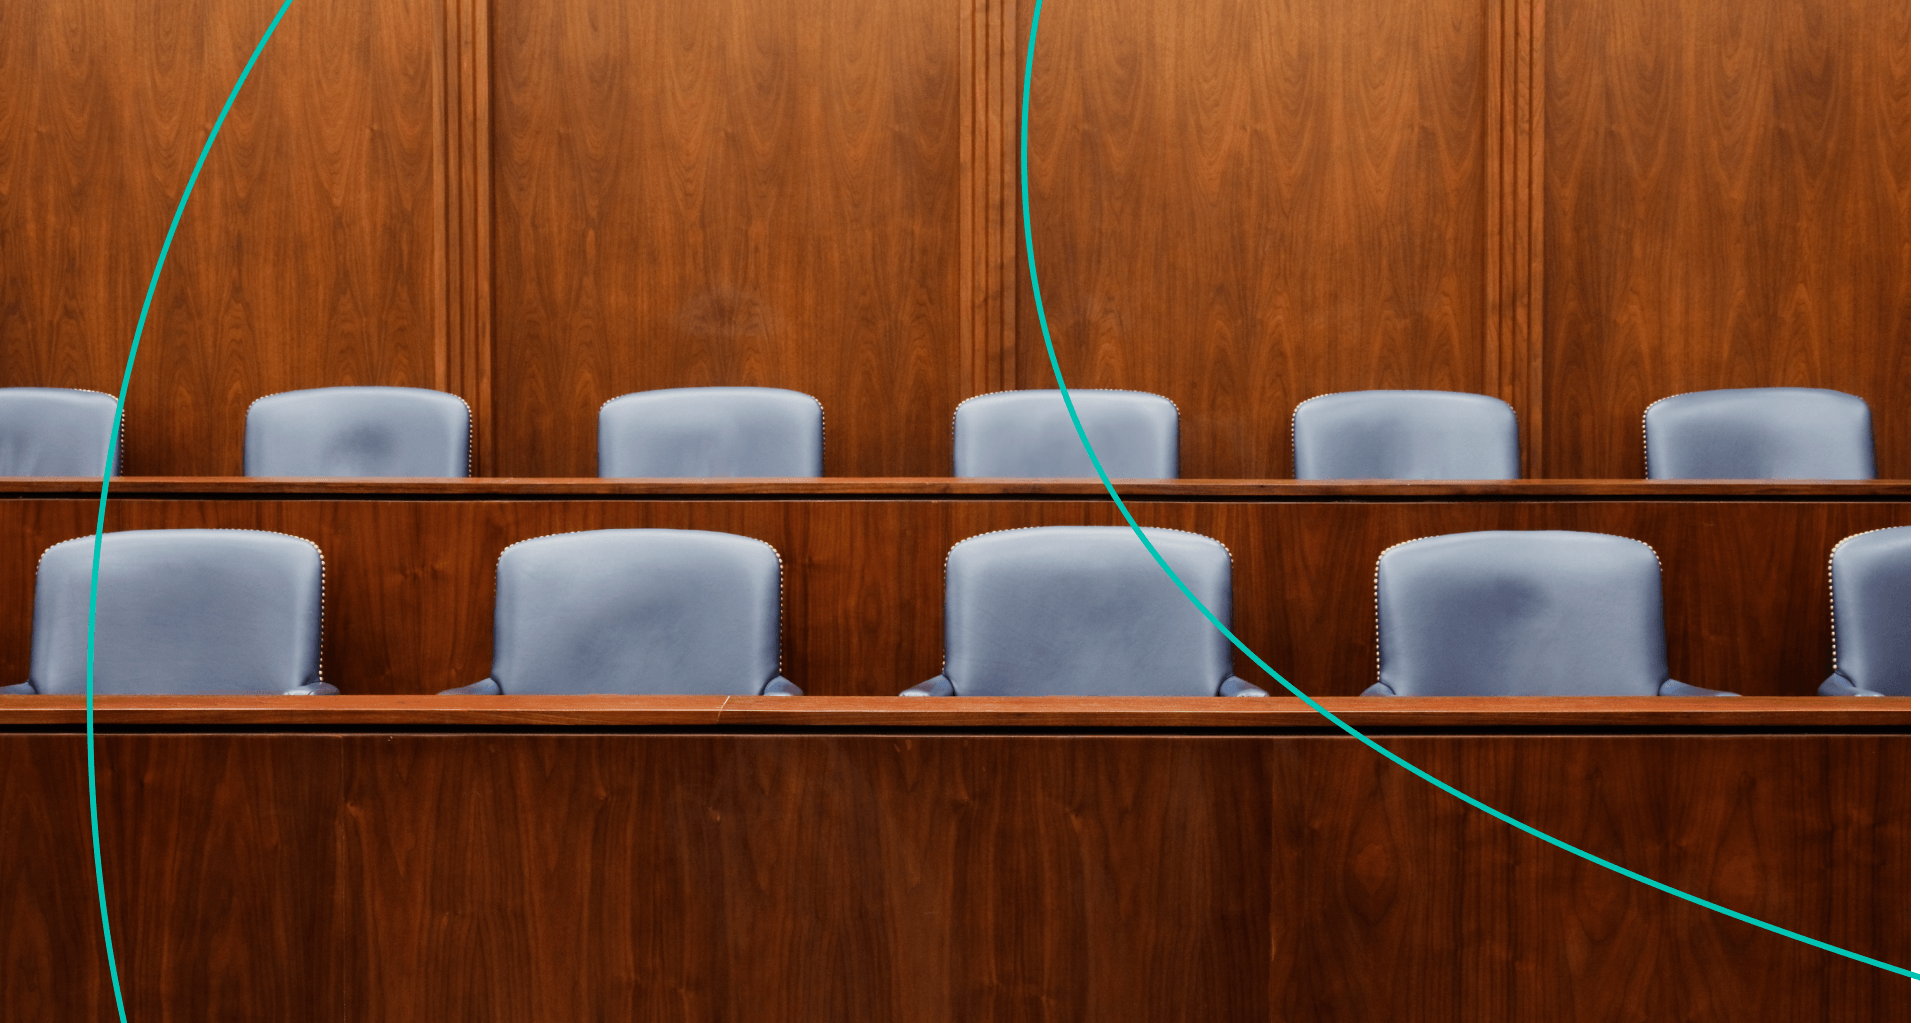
748	714
848	488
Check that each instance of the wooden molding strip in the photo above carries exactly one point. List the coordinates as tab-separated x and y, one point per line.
1516	225
465	259
989	195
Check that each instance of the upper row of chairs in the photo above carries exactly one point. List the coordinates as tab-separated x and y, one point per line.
1050	610
1750	433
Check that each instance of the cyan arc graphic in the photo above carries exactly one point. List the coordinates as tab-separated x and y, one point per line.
106	481
1053	360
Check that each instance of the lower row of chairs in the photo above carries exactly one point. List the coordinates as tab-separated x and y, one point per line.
1054	610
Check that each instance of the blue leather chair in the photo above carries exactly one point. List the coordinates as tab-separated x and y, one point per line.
181	611
1870	579
711	432
359	431
55	431
637	611
1027	434
1405	435
1537	613
1085	611
1754	433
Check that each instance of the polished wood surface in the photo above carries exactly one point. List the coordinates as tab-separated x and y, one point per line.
1249	207
1726	207
1800	714
738	192
1037	874
790	489
310	253
410	581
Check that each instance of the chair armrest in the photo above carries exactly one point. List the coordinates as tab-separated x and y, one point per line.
1672	688
935	686
1378	689
1835	685
19	689
312	689
777	686
484	687
1239	687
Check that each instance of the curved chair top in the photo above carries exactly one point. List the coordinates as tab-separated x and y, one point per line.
637	611
1786	433
182	611
1085	611
712	432
359	431
1869	579
55	431
1533	613
1028	434
1405	435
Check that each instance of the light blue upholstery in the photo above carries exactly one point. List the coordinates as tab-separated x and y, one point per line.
637	611
1786	433
1028	434
1872	593
54	431
712	432
358	431
186	611
1085	611
1537	613
1405	435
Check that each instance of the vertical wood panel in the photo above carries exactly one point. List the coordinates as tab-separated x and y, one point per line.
306	257
1246	207
1515	180
990	196
464	263
1727	207
737	192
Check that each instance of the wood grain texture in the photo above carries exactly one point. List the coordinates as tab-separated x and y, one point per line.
1652	714
1726	207
222	872
1011	877
1516	178
1249	208
745	192
306	257
410	583
854	488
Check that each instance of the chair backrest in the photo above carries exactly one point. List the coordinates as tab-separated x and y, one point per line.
54	431
216	611
1753	433
712	431
358	431
1085	611
1537	613
1872	610
1029	434
1405	435
637	611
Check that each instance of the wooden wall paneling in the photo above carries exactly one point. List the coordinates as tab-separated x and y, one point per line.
1460	917
410	583
221	867
950	877
306	254
1249	206
464	181
990	196
1726	207
743	192
1515	215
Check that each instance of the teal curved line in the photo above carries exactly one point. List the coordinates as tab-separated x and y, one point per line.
106	481
1053	359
